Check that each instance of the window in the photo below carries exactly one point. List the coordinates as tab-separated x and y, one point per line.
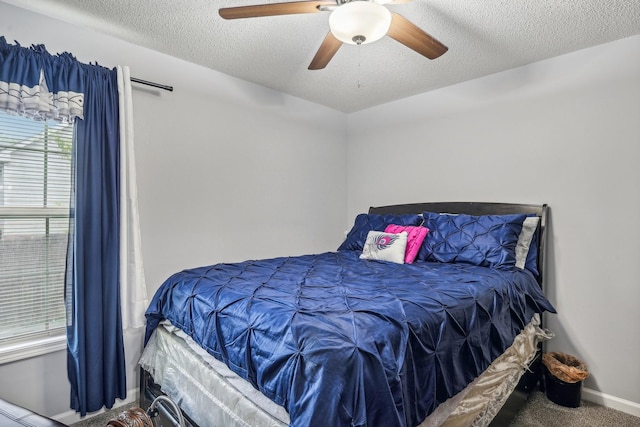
35	173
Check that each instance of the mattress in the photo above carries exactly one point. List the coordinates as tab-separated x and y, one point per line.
212	395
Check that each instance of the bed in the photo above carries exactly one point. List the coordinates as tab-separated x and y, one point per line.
398	327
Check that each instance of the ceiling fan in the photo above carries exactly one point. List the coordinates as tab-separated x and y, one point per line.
351	21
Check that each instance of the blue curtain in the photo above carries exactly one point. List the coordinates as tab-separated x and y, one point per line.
95	361
37	84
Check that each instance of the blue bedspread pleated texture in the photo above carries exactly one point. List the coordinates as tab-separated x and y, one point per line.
340	341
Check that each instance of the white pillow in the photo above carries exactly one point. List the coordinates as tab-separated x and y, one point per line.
524	239
383	246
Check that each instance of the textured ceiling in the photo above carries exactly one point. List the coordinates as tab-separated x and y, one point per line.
483	36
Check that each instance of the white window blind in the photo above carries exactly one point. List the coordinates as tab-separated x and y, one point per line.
35	171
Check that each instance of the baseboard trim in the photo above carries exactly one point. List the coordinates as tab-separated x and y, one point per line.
609	401
70	417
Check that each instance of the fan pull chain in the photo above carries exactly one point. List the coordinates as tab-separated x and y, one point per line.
359	63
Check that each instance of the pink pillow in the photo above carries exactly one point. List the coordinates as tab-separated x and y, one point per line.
415	237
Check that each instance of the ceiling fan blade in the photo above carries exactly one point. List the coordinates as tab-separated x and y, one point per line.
405	32
327	49
273	9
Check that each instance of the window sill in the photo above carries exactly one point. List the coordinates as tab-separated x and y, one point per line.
37	347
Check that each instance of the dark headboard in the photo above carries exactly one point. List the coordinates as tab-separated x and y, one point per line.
478	208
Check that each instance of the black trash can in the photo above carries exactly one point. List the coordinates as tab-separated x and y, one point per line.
563	375
562	393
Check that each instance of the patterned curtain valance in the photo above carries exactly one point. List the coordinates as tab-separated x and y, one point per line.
37	84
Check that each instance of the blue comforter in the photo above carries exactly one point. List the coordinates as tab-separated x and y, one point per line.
340	341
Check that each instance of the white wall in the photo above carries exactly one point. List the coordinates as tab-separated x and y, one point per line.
564	131
227	170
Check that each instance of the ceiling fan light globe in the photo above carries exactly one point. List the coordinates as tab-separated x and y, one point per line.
352	22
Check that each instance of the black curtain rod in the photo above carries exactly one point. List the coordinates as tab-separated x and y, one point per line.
148	83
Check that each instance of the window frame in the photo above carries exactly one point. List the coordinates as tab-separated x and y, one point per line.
31	348
42	341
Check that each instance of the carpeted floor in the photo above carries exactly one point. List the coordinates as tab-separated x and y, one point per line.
541	412
102	419
537	412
